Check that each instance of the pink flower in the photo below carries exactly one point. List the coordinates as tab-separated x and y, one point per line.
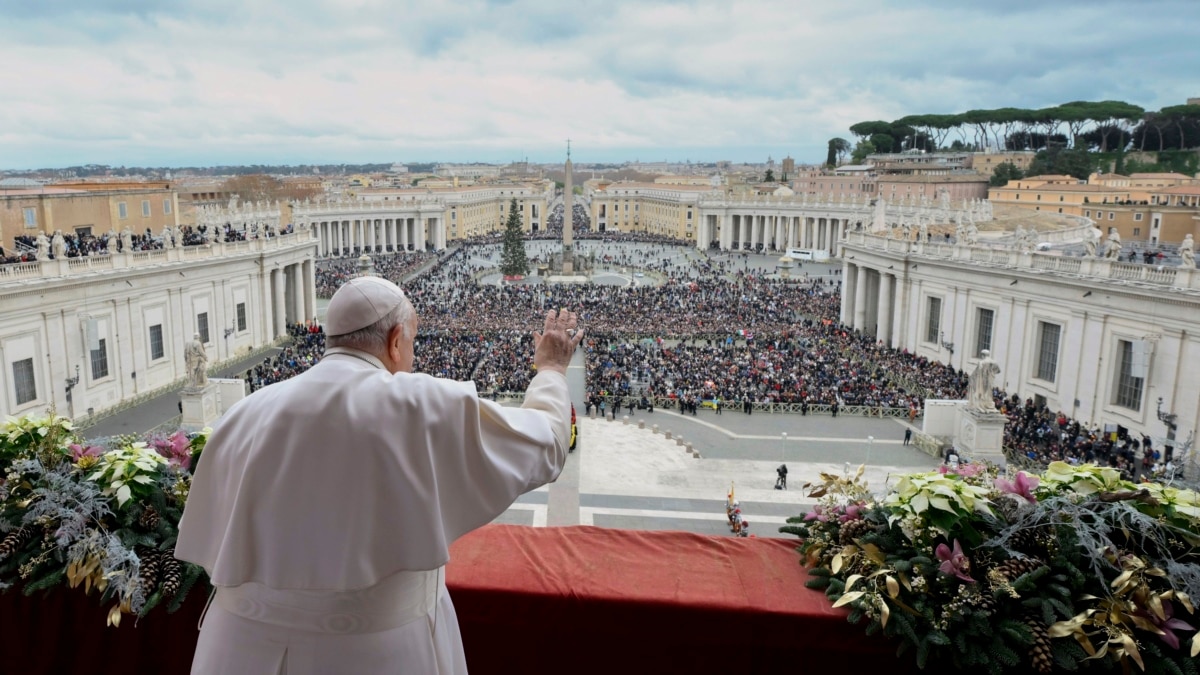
78	451
954	563
1169	625
817	514
176	448
853	512
1023	486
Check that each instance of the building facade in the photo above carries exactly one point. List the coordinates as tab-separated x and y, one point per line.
87	334
1099	340
1150	208
72	210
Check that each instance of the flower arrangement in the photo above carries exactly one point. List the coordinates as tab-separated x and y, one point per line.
1068	570
103	516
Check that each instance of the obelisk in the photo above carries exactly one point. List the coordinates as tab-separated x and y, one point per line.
568	235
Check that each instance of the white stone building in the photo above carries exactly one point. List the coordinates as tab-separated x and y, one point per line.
88	334
1100	340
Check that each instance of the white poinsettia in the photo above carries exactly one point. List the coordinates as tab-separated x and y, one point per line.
1084	479
1185	502
124	469
919	493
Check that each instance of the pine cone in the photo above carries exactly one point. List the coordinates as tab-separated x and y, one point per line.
1014	568
172	574
852	530
1040	651
16	540
149	569
985	600
1035	541
149	518
1009	507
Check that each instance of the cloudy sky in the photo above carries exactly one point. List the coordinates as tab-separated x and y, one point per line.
201	82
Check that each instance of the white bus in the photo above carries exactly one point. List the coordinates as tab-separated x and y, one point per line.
815	255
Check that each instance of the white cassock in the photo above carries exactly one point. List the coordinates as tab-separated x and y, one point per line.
324	506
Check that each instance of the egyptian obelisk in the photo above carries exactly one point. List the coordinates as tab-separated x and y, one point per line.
568	235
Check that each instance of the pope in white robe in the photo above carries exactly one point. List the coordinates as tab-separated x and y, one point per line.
323	507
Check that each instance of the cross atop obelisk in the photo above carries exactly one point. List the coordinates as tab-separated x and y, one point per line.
568	236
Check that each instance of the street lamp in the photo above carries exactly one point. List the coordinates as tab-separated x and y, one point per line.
71	382
870	445
1168	419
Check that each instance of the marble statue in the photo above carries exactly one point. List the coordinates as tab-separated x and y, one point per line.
43	246
972	234
1112	250
58	245
1019	237
111	241
127	241
1091	240
1031	240
979	384
196	360
960	233
1187	253
168	238
220	233
923	231
944	199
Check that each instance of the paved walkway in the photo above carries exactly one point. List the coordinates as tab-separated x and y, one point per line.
160	409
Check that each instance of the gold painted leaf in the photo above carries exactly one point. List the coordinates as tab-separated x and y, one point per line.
884	612
1196	645
836	563
853	579
1131	649
892	586
848	598
114	616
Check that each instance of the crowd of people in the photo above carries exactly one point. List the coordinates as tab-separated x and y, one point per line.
712	333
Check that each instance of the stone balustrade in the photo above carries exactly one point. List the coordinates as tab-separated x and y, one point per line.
1107	270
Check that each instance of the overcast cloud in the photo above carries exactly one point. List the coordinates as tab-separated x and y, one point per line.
199	82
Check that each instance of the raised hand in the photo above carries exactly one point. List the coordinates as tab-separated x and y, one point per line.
556	342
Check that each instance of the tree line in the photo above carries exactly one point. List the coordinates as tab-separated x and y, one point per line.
1102	126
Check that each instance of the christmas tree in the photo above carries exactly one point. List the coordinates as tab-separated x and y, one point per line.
512	258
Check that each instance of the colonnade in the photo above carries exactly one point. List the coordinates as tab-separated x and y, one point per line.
292	296
739	231
869	298
356	236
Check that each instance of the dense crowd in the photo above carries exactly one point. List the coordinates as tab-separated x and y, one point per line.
334	272
712	331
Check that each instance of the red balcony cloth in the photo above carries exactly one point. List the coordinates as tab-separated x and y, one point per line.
594	600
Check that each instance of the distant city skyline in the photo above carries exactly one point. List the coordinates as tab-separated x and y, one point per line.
190	83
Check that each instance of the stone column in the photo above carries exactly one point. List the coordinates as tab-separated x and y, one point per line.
370	225
278	281
298	293
849	281
860	299
883	327
310	290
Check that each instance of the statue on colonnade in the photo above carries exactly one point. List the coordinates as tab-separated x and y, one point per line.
979	384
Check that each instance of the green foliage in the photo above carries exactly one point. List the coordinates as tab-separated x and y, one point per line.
513	261
1004	172
1038	570
861	151
769	177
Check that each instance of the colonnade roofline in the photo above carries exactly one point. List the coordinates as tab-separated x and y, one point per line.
1129	276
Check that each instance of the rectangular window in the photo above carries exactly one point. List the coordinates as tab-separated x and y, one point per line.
30	217
145	208
1112	215
1047	365
122	210
933	320
1137	217
166	207
100	360
1129	388
156	342
241	316
1137	231
202	326
24	382
1087	214
983	331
